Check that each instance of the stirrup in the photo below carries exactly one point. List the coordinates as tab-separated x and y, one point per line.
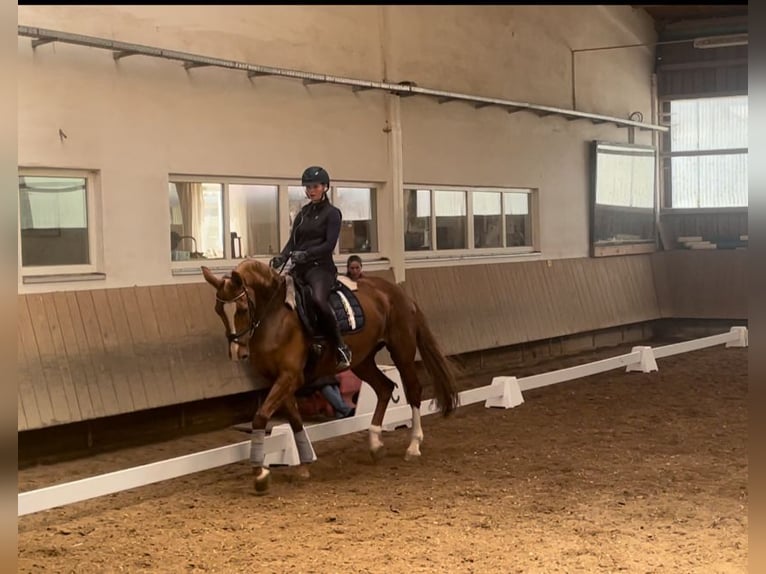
343	359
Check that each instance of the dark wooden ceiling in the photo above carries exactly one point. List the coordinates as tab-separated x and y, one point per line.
667	14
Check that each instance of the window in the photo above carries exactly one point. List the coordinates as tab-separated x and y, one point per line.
196	221
487	219
253	223
445	218
56	215
518	221
358	232
451	224
417	219
233	218
705	152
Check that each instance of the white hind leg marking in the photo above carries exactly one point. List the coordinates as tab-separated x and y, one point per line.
416	437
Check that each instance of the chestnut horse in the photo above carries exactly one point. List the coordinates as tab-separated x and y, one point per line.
251	302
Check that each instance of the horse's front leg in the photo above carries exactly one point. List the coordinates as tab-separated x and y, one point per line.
280	392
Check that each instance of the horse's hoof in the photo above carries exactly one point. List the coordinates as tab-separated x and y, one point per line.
303	473
262	483
412	456
378	454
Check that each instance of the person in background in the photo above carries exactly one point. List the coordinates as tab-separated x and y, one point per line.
354	267
331	393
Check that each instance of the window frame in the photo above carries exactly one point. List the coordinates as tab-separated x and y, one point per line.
471	251
283	218
666	155
93	212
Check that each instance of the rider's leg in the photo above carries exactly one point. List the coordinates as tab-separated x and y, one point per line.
321	281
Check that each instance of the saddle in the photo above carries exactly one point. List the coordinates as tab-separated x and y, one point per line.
343	301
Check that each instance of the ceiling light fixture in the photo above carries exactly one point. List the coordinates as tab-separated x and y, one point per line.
721	41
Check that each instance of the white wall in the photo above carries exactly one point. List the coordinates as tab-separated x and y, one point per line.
141	119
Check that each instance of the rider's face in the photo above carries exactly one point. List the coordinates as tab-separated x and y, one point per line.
315	191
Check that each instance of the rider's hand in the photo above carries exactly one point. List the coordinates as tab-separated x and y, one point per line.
300	257
277	262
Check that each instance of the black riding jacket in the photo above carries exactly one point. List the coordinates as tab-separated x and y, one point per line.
315	230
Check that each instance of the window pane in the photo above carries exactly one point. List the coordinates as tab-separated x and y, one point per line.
518	222
358	231
450	207
296	199
708	123
709	181
417	219
487	219
253	220
196	221
54	221
625	179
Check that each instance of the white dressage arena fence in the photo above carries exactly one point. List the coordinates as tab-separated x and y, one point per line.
280	448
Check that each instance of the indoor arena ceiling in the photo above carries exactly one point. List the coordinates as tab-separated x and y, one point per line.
669	14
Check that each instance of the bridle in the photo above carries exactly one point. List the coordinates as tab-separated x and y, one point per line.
250	329
254	322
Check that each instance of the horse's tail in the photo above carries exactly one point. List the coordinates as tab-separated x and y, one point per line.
445	385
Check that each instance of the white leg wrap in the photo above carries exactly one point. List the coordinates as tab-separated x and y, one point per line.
416	437
256	447
305	449
376	439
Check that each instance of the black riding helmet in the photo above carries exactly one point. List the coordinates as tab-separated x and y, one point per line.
315	174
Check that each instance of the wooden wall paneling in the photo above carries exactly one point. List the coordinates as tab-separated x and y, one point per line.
97	352
113	355
65	377
26	400
178	340
128	362
52	375
163	386
77	357
39	391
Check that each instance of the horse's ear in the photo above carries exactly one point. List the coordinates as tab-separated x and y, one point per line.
211	278
236	280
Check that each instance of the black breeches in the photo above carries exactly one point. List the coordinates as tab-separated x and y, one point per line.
322	281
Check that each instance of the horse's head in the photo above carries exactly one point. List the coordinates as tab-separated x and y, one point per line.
235	305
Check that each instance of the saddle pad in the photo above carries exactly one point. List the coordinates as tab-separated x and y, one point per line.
348	311
344	303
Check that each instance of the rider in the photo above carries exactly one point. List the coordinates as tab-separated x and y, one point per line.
314	234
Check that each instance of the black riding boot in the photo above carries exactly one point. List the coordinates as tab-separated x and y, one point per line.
343	353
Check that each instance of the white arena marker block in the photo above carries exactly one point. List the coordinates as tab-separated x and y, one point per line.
741	337
287	456
646	363
509	393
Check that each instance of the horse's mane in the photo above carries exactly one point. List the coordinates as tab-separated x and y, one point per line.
259	275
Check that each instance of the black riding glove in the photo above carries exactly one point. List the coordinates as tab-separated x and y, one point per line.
300	257
277	262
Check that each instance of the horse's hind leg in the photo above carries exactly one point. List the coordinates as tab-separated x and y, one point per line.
368	371
306	452
404	359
